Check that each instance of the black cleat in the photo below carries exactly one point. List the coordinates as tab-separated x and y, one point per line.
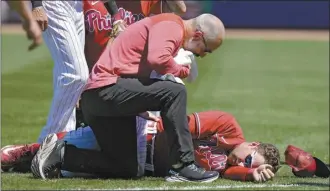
191	173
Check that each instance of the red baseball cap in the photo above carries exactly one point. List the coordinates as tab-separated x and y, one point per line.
303	164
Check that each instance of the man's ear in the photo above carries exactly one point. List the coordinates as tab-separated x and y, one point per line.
254	144
198	35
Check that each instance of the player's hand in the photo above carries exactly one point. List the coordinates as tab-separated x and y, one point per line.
40	16
118	27
33	32
149	116
263	173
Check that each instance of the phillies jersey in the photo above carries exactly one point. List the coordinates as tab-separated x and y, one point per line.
98	25
215	134
98	22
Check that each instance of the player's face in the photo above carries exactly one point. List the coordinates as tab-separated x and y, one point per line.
246	155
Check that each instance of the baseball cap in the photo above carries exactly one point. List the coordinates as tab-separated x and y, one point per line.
303	164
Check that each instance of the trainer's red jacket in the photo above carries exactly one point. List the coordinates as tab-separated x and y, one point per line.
215	134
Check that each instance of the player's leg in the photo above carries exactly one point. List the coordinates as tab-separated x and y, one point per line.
81	138
64	38
117	160
17	158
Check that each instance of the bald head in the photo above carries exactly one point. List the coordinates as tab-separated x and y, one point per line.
212	27
203	34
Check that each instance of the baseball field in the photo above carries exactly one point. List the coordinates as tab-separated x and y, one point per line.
276	83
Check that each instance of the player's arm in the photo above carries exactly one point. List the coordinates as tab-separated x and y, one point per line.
238	173
261	174
118	24
177	6
22	9
111	6
30	26
161	45
39	14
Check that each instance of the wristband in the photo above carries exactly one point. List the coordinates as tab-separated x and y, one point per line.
36	3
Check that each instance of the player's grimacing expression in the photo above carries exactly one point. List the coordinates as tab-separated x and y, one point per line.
246	155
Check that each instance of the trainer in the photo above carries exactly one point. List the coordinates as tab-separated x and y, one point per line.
120	84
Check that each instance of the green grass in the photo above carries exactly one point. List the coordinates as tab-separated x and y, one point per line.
15	54
278	91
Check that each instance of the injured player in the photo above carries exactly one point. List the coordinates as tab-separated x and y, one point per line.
218	139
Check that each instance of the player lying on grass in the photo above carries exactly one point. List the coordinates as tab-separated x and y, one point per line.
218	142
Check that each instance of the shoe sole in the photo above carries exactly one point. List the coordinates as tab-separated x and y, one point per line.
183	179
46	148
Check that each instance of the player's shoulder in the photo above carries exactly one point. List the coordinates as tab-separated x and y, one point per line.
172	21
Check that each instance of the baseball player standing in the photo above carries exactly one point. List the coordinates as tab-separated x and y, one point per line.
64	35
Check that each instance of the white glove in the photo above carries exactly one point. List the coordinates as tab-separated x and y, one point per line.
185	57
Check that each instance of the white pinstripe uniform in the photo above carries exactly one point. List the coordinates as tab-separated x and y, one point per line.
65	38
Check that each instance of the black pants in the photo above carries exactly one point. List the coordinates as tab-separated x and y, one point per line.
116	137
129	97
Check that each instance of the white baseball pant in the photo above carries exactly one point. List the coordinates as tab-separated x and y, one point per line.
65	39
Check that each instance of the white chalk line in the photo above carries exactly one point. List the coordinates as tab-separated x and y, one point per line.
205	187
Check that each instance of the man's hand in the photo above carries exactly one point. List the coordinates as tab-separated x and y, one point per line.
185	71
40	16
33	33
118	27
263	173
149	116
176	6
30	26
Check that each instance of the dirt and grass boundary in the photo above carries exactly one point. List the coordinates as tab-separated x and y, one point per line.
258	34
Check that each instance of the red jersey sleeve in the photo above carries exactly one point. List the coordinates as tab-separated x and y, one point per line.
238	173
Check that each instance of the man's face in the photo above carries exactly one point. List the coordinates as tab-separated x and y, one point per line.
198	45
246	155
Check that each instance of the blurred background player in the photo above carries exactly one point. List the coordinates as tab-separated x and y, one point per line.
33	31
64	34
